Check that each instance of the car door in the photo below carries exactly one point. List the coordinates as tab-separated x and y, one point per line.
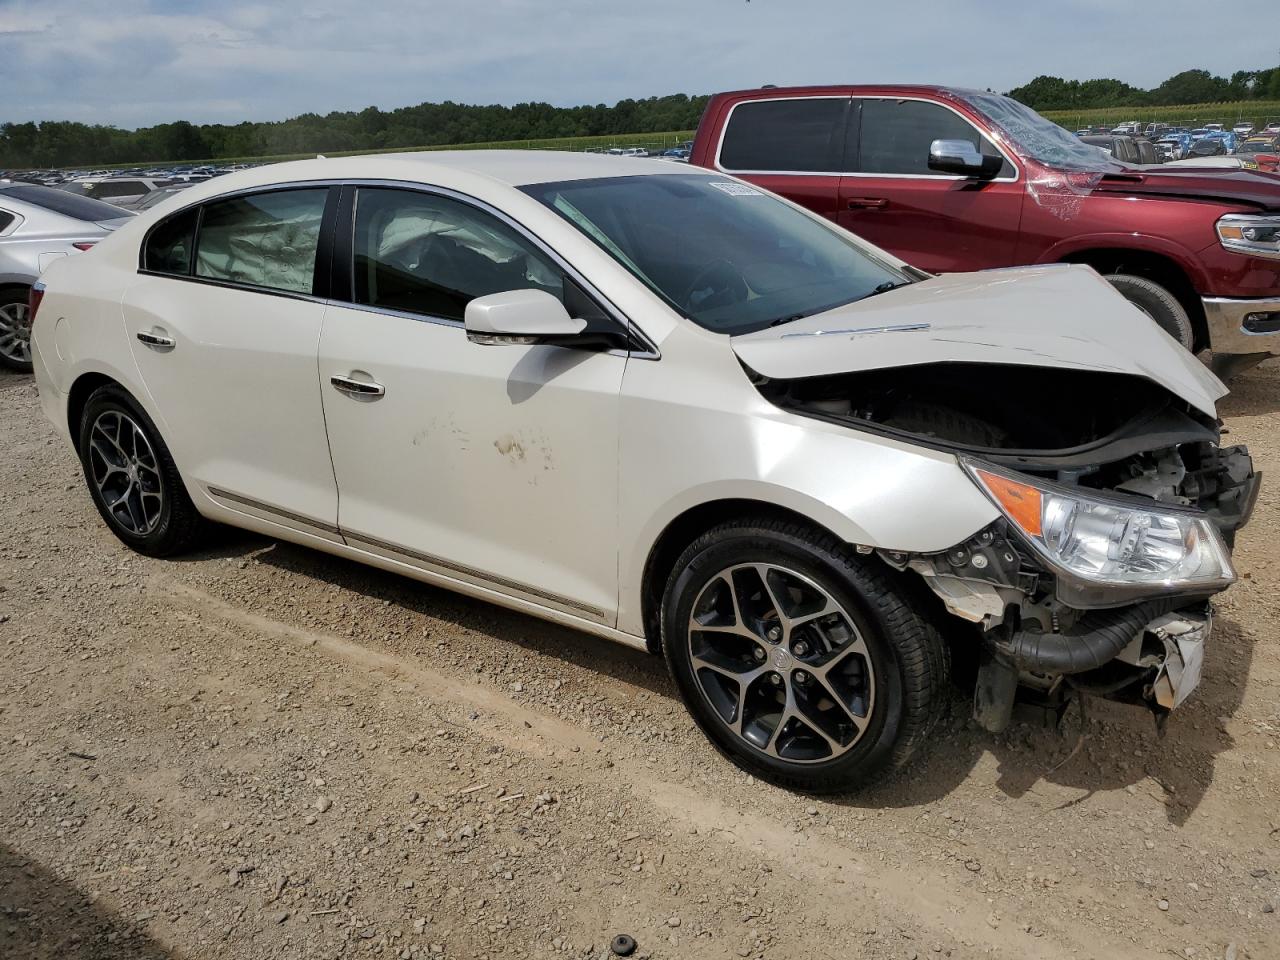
224	322
792	146
938	222
491	465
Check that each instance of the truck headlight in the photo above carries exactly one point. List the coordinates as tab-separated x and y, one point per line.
1254	234
1109	550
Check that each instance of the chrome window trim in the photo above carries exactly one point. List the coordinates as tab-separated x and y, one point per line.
1017	170
649	349
233	285
724	129
18	219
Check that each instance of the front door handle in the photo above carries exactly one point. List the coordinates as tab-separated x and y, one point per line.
155	339
867	203
360	389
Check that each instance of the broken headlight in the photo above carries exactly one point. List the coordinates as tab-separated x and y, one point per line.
1109	551
1251	233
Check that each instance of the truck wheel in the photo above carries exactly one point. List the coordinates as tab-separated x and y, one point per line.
1158	304
15	330
803	663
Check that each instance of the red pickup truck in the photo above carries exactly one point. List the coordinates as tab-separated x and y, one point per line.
959	180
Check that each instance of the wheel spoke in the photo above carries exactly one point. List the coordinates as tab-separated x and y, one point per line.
126	472
767	702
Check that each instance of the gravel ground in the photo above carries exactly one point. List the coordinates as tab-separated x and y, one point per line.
264	752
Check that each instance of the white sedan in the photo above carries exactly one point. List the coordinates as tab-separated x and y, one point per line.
668	408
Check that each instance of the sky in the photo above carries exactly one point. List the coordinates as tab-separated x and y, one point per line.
138	62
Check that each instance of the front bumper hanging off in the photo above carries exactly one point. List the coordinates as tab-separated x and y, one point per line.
1150	654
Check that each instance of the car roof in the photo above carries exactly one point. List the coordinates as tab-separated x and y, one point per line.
513	168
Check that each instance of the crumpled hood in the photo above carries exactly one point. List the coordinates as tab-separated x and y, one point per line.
1048	316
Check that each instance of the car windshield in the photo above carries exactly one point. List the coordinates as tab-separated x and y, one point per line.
1256	146
64	203
731	258
1040	139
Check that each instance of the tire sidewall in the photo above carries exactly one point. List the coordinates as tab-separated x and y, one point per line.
841	579
111	398
1158	303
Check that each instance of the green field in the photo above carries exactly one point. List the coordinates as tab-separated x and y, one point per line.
650	141
1259	111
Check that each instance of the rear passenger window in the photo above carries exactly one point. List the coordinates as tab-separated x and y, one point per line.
113	189
6	220
169	246
784	136
427	254
896	135
265	240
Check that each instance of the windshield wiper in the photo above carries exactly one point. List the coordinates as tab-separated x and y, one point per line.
781	320
886	287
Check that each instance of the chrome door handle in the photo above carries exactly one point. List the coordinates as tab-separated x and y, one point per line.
155	339
357	388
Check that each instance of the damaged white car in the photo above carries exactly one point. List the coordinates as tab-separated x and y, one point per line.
671	409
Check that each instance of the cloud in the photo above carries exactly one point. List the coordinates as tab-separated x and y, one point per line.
139	62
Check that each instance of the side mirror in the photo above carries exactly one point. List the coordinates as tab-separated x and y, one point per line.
520	316
962	157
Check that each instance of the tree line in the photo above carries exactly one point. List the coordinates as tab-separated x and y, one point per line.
65	143
55	143
1189	86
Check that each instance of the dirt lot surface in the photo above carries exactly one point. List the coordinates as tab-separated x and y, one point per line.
263	752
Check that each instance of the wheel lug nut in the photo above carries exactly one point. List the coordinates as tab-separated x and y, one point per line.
774	634
801	677
775	679
801	649
760	654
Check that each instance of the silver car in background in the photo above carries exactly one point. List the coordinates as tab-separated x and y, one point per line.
37	226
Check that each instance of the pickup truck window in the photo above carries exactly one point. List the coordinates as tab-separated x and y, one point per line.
896	134
792	136
729	257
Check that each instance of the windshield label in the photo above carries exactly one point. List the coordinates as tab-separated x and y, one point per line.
736	189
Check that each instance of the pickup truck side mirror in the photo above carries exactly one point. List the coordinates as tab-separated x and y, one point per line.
962	157
520	316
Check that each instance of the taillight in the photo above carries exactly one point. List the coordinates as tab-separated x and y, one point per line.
34	296
84	244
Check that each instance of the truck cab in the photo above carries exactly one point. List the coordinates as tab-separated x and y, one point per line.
958	180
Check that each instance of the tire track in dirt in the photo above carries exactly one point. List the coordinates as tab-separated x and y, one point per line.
839	872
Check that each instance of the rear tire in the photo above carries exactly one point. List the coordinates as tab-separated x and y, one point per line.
804	663
15	331
1157	303
132	478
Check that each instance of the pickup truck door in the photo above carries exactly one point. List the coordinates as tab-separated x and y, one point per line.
938	222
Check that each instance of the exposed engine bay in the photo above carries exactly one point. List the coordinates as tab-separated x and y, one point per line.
1102	431
1117	437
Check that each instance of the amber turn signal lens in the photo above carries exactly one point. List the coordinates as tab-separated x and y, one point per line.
1020	502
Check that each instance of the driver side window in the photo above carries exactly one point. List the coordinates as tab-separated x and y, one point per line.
896	134
432	255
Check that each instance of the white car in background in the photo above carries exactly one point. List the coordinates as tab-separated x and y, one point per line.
39	225
668	408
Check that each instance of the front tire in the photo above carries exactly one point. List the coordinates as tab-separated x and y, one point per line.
803	663
1157	303
132	478
15	331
